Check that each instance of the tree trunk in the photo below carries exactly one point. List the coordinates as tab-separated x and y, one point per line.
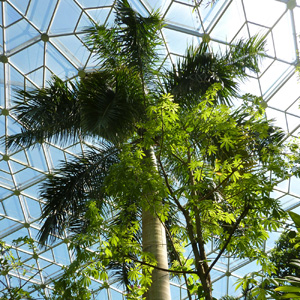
154	241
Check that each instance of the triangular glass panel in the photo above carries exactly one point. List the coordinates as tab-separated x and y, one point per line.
232	291
20	157
19	35
43	263
173	37
20	5
4	167
58	64
27	177
231	24
72	48
56	157
184	15
294	109
4	193
29	59
40	13
160	5
24	255
259	15
284	40
293	122
295	186
16	167
296	13
102	295
11	15
66	17
111	19
74	149
37	77
283	186
115	295
250	86
37	159
48	75
286	94
255	29
276	194
215	274
33	190
288	201
13	208
47	255
33	208
84	22
15	80
137	6
13	126
6	179
11	231
51	270
99	15
220	288
95	3
246	268
61	254
270	78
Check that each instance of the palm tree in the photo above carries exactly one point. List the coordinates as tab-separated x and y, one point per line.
108	107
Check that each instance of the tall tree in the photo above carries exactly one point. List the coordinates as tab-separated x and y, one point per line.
168	156
285	251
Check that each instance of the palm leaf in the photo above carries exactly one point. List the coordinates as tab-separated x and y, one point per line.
103	42
111	104
196	72
70	188
246	55
200	69
138	37
50	113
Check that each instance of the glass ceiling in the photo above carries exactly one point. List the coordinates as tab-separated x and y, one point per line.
43	37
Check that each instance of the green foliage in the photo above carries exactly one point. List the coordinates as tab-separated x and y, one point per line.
285	251
291	290
174	148
11	267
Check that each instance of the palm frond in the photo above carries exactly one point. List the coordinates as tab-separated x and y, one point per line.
103	42
50	113
195	73
138	37
245	55
119	273
111	104
200	69
67	191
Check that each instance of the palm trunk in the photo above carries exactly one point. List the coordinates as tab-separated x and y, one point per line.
154	241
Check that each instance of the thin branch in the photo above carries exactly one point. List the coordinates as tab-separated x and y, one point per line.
162	269
241	217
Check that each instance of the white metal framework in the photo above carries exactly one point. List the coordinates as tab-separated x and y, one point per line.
43	37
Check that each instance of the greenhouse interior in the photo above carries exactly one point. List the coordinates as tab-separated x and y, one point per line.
42	38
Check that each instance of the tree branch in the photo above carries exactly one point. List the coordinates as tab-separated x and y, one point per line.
241	217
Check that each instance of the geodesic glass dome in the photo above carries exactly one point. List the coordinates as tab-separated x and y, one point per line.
39	38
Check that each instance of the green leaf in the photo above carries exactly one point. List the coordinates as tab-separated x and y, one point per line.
296	218
288	288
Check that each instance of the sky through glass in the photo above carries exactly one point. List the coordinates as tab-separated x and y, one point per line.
39	38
